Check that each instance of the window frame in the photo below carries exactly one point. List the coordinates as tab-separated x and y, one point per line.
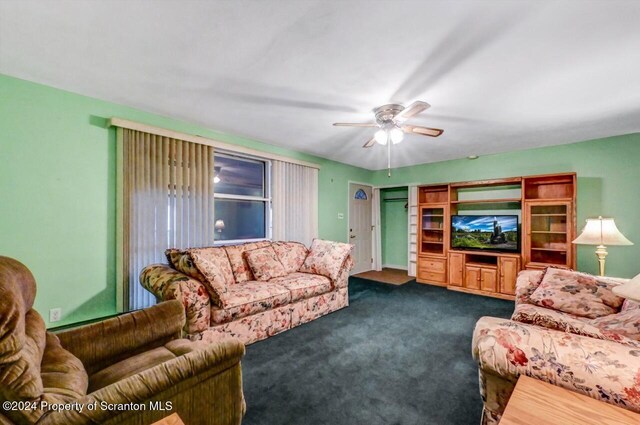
266	198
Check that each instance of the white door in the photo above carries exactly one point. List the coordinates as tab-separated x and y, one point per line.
360	226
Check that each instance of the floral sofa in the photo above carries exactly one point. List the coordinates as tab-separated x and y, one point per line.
598	357
254	290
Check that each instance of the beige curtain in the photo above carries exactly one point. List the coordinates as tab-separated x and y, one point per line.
294	202
167	202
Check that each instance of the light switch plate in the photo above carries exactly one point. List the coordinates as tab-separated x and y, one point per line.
340	216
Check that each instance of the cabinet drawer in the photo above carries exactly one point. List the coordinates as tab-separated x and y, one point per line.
430	276
434	265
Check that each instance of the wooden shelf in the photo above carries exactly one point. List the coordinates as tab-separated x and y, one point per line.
567	180
547	225
539	266
487	253
550	199
488	183
548	232
482	265
489	201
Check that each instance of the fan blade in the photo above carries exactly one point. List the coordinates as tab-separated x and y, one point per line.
423	131
355	124
412	110
370	143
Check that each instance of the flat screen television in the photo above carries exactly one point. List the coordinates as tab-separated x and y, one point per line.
485	232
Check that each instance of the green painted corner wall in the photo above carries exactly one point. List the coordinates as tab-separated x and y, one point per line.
394	227
57	192
608	176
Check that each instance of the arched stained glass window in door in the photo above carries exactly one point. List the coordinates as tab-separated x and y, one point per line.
360	194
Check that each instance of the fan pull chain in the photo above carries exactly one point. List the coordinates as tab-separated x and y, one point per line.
388	155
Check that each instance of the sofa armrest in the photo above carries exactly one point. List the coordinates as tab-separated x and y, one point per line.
604	370
527	282
343	276
100	344
169	284
166	381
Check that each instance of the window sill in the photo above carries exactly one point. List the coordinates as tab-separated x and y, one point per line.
238	241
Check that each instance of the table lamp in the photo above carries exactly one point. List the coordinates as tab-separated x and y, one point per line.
601	232
629	290
219	226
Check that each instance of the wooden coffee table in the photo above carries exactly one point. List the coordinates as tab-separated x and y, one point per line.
540	403
172	419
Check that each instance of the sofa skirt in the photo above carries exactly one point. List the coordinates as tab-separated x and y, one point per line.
263	325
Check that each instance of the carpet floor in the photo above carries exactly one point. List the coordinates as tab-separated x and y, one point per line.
396	355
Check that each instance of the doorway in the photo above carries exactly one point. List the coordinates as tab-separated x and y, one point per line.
394	227
361	226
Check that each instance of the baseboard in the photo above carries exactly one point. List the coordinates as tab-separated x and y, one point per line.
394	266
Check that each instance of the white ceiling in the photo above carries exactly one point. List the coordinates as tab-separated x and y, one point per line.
500	75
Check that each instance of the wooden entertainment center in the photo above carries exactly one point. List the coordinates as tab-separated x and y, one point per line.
546	206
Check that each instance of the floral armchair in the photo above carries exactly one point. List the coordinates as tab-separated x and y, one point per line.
596	357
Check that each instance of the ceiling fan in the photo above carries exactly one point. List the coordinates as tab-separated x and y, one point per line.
390	121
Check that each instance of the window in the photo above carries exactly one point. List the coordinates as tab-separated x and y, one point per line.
242	199
361	194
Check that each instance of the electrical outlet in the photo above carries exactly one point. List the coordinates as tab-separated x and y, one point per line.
55	314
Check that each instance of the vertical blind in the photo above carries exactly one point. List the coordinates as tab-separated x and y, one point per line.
295	202
167	202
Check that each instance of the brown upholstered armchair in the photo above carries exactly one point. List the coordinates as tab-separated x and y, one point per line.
88	375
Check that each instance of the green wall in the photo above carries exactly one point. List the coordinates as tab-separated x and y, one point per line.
608	176
57	192
394	227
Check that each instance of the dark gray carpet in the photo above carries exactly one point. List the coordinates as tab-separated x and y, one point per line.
396	355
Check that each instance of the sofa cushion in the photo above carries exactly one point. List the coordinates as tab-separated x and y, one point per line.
303	285
291	254
143	361
526	283
264	263
129	367
239	266
576	293
326	258
183	263
626	323
215	268
247	298
553	319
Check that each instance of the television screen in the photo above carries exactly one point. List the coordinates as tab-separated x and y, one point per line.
486	232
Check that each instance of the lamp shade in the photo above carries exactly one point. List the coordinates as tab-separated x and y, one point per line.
219	225
601	231
629	290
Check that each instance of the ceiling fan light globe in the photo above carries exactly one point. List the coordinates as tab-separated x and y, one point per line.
381	137
396	135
